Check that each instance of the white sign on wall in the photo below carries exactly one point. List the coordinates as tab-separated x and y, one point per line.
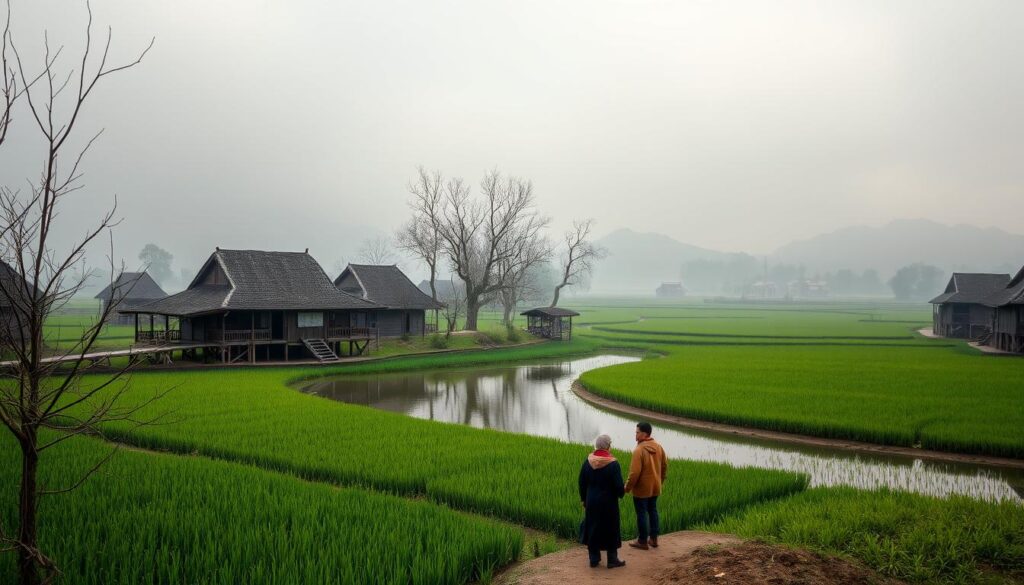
311	319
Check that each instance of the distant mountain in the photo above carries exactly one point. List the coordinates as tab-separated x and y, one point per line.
962	248
638	262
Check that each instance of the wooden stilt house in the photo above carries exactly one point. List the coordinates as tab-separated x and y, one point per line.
403	306
249	305
963	309
129	289
1008	320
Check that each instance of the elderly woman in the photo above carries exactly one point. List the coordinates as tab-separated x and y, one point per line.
600	490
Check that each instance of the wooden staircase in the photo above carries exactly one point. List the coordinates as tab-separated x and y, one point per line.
322	351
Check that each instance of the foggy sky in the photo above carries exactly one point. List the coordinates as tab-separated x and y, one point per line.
729	125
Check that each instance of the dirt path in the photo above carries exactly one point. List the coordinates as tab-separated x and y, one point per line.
696	558
642	566
859	446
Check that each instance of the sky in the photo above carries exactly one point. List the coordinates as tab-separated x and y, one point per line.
736	126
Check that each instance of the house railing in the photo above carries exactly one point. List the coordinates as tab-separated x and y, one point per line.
430	327
350	332
238	335
159	337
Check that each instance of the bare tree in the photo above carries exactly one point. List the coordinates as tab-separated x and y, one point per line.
483	239
43	402
420	235
377	250
578	257
521	277
454	306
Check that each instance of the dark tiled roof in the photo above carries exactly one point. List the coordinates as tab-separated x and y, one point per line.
1011	294
133	286
966	287
443	287
204	298
388	286
551	312
13	285
260	280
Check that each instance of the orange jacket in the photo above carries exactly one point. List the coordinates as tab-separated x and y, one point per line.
647	469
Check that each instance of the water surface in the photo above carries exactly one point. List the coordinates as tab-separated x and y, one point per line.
537	399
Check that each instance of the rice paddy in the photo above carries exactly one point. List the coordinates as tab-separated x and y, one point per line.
169	519
262	483
823	377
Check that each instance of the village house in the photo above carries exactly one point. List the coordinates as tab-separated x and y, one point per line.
1008	321
129	290
403	306
669	290
963	310
550	322
250	305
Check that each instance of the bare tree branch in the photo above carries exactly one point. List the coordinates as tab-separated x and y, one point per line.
578	257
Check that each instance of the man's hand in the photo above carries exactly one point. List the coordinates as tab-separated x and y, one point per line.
584	504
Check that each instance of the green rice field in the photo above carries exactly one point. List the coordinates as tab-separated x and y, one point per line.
246	479
822	374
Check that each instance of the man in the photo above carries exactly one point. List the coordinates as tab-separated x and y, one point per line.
646	474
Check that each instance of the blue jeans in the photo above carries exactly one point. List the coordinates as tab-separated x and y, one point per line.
646	517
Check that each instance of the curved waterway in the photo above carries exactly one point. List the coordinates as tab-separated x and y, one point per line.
537	399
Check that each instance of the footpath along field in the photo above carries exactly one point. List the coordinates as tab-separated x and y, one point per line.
861	375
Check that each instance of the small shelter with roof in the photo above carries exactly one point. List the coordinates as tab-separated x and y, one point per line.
402	305
550	322
129	289
964	308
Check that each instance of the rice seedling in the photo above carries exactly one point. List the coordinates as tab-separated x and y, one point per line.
907	536
169	519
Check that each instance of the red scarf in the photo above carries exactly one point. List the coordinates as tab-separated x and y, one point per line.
602	453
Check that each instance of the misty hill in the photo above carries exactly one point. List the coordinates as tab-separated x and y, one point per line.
638	262
962	248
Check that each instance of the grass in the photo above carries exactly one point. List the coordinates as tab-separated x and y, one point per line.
249	416
169	519
820	376
907	536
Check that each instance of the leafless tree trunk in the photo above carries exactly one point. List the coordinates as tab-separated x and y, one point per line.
519	276
480	236
43	403
420	235
578	257
454	304
377	251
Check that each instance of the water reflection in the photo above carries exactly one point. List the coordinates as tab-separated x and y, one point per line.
538	400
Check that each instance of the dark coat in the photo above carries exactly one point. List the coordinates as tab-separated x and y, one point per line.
600	490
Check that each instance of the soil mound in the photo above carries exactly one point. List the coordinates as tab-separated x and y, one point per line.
756	562
694	557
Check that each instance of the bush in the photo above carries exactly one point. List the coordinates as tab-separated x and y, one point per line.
438	341
514	335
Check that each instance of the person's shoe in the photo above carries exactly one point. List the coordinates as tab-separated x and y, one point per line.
653	542
639	545
616	564
593	564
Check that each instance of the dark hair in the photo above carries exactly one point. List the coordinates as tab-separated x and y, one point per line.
644	427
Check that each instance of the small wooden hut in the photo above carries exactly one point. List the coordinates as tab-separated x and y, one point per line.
1008	321
128	291
964	309
550	322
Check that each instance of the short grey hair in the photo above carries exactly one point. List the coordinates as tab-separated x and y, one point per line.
603	442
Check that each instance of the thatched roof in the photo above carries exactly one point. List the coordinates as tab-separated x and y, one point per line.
257	281
384	285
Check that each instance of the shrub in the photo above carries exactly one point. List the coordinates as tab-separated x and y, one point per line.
438	341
